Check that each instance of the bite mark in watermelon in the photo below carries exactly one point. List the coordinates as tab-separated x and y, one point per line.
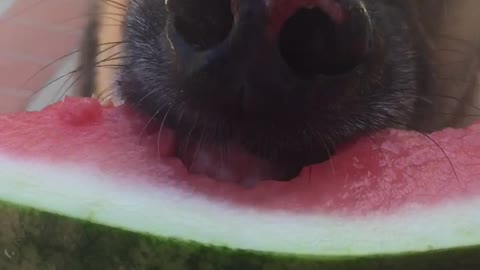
78	178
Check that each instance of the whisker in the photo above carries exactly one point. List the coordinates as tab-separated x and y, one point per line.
161	130
48	65
67	89
100	14
384	156
65	56
456	99
444	153
332	165
446	156
152	118
56	80
199	146
144	97
187	140
103	97
322	138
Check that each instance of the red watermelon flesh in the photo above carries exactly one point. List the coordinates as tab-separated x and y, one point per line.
377	174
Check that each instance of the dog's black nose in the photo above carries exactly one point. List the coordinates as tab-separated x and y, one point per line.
246	56
326	40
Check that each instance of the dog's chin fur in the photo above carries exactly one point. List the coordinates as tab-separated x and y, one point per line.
421	75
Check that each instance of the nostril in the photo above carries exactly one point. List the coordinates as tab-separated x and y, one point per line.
203	25
311	43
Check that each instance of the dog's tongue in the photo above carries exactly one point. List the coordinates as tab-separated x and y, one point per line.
230	163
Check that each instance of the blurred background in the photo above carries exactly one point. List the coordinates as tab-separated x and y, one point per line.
35	35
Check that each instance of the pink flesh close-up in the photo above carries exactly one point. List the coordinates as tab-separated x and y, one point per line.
378	173
281	10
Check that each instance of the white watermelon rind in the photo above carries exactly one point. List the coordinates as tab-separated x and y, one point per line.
52	210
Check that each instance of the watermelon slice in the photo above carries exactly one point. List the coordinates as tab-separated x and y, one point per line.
82	187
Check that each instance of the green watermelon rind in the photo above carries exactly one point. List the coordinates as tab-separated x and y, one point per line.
35	239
